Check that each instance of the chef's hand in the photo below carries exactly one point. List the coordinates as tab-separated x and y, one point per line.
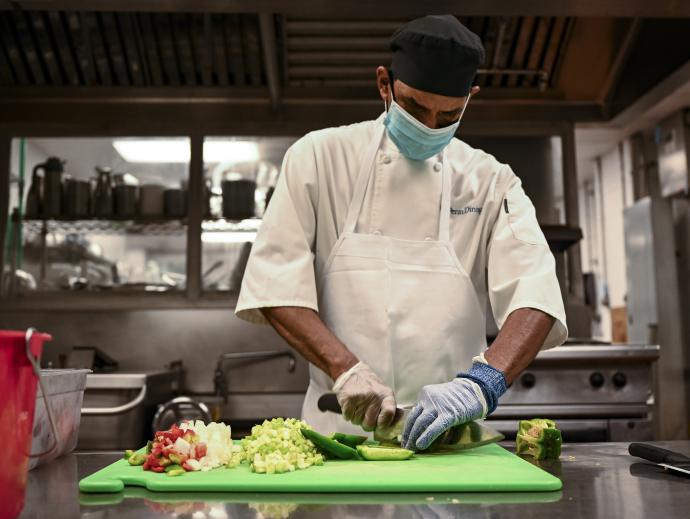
440	407
364	398
468	397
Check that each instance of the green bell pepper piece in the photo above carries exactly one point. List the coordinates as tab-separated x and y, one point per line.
351	440
330	446
383	453
539	438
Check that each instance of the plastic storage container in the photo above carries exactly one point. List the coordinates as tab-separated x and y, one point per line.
19	370
65	391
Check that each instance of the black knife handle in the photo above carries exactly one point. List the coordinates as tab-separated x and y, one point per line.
656	454
329	402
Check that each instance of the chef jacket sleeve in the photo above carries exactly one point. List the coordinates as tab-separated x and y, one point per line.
280	270
521	268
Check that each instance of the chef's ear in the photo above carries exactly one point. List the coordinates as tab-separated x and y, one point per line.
475	90
384	84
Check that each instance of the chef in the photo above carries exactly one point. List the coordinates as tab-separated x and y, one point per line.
383	242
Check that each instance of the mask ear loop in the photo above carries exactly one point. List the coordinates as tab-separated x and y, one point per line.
467	100
390	88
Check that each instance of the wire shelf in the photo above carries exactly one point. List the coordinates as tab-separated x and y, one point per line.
149	226
158	226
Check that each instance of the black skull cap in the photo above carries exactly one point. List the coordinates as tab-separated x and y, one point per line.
437	54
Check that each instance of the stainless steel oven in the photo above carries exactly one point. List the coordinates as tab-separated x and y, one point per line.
594	392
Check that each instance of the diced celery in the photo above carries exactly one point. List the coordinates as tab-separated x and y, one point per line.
277	446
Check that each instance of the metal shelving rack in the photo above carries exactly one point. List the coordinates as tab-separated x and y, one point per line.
193	224
159	226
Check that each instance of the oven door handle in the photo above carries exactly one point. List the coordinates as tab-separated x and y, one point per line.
121	409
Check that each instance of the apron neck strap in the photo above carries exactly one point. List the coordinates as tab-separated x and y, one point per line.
444	217
362	181
365	169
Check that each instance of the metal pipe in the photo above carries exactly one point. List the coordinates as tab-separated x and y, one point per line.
357	72
514	71
616	68
44	248
270	55
195	215
20	202
498	44
343	28
572	212
5	223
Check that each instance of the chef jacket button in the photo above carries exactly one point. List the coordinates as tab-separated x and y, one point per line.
428	238
376	232
437	166
386	159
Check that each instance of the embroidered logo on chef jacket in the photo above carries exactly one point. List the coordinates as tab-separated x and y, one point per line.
465	210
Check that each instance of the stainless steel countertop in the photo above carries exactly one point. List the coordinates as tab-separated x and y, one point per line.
599	480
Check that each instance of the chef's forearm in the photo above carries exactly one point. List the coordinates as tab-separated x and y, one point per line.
304	330
519	341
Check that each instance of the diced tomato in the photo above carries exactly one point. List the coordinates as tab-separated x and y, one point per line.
199	450
157	469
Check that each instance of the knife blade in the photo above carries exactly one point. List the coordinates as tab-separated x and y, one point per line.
461	437
670	460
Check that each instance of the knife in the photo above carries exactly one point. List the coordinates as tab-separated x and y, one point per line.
461	437
670	460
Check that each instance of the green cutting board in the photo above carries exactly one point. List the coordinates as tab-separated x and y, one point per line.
490	468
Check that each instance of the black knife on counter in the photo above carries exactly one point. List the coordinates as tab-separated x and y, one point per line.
664	458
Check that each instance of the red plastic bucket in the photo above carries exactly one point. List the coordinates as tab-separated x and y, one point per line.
18	378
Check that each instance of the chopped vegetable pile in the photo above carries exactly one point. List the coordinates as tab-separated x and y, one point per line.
278	446
188	448
539	438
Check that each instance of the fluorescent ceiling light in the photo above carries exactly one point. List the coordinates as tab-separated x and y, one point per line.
153	150
177	150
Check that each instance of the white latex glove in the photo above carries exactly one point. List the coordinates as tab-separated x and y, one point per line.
364	398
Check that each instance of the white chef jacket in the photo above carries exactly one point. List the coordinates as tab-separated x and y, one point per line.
493	227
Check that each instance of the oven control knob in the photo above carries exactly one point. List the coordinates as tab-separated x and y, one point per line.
619	379
528	380
596	379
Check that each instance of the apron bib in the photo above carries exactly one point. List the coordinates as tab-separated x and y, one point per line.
406	308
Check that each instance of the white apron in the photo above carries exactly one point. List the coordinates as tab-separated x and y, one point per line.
406	308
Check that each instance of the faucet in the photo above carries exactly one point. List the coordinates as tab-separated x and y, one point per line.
220	381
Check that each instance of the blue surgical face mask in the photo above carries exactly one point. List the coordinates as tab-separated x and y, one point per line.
414	139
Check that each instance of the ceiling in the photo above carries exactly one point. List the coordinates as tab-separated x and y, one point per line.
125	49
286	67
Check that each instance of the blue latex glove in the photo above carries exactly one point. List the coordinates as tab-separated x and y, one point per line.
439	407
